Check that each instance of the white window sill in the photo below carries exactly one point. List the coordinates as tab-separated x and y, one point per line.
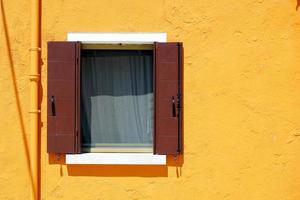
116	159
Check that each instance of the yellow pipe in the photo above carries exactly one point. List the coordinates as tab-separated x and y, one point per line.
34	101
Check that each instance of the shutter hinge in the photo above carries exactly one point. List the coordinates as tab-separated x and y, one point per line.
179	144
76	142
178	103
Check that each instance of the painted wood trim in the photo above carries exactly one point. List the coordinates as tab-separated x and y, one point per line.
118	46
116	150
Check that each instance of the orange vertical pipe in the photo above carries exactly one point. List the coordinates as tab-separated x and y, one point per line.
34	101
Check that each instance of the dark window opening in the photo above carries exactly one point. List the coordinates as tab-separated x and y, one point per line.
117	102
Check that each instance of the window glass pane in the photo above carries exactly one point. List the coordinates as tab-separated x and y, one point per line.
117	98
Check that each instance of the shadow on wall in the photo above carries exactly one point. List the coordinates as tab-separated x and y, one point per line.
298	4
118	170
19	111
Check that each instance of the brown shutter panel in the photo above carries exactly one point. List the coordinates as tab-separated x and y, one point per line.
168	63
63	123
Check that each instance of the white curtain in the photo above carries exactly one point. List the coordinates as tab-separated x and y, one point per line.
116	98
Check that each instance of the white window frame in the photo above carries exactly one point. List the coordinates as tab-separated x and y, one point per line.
115	38
117	158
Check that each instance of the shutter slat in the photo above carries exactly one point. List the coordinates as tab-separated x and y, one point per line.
168	79
63	80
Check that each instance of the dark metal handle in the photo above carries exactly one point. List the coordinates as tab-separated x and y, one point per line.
53	106
173	107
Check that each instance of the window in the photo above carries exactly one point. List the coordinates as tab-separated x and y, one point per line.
112	99
117	103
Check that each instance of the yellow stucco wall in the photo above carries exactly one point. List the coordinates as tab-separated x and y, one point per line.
242	99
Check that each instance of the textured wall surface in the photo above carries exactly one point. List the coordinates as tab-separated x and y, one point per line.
242	100
14	99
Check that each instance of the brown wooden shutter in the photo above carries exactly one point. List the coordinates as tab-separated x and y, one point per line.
63	125
168	98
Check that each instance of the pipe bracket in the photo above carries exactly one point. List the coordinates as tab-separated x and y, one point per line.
35	49
34	77
36	111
